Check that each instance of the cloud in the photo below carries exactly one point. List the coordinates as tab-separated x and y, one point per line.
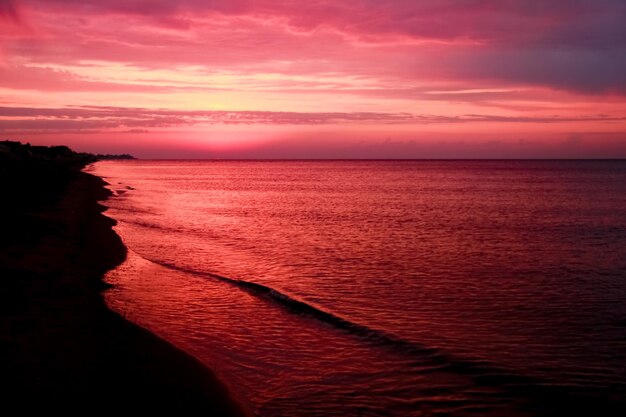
575	45
8	11
559	21
24	119
36	119
583	70
51	79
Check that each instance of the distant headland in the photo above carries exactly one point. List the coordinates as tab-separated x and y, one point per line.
14	150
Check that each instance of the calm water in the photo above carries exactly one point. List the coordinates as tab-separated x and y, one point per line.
383	288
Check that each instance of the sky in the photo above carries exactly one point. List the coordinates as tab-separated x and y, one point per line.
317	78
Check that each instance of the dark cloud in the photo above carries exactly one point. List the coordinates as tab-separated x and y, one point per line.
8	11
555	22
589	71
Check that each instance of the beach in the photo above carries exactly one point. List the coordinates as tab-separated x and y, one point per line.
61	348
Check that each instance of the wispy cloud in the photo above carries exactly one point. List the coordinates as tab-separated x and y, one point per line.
25	119
55	80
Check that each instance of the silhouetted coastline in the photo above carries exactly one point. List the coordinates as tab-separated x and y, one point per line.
61	348
17	151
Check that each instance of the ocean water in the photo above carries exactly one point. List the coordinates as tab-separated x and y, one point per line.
383	288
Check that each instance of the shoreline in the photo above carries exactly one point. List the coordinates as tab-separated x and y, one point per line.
62	348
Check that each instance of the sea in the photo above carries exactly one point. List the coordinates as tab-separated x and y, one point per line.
383	288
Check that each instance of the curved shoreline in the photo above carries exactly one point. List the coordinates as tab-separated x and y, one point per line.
62	348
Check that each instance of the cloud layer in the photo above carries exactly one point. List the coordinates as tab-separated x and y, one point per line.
25	119
578	45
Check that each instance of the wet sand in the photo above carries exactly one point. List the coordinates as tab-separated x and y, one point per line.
61	348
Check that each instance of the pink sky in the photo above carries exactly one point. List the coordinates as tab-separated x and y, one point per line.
317	78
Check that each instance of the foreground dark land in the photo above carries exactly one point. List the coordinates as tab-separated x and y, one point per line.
61	349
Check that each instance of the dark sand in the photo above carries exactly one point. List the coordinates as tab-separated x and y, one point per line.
61	348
